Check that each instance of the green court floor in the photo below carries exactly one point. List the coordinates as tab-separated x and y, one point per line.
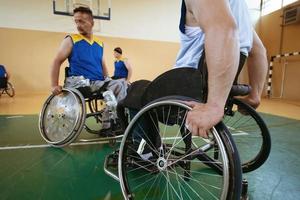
29	169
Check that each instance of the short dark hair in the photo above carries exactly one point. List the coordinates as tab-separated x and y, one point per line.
83	9
118	50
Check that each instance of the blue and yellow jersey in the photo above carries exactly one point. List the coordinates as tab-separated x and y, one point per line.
86	57
120	69
2	71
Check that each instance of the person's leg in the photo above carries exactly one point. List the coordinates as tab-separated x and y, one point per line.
76	82
119	88
105	118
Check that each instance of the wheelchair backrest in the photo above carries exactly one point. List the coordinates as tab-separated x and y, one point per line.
188	82
3	82
67	69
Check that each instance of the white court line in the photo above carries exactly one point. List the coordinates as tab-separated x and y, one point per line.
237	132
177	138
16	116
240	133
47	145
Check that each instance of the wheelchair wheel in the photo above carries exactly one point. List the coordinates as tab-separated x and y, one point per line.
160	159
250	135
62	117
10	91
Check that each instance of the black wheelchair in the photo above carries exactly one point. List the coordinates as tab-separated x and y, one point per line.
6	87
158	157
249	131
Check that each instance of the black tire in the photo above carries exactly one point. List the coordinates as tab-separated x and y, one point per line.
224	170
250	134
10	91
235	187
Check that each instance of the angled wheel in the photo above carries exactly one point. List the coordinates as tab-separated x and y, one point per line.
62	117
160	159
10	91
250	134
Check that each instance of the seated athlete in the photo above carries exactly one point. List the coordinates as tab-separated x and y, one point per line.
87	66
225	31
4	77
123	68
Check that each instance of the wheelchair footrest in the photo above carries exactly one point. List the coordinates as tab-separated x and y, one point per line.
114	131
111	165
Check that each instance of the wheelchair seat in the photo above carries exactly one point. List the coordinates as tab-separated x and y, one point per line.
86	91
187	82
89	95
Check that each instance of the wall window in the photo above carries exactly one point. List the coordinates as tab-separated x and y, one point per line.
287	2
273	5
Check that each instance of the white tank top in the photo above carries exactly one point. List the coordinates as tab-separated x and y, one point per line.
192	41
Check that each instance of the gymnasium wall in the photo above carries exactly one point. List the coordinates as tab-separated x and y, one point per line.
28	43
282	39
28	54
136	19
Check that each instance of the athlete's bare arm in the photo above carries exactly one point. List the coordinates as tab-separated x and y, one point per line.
62	54
222	57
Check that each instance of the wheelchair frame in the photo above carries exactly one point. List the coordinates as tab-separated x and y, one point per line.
9	89
225	142
232	109
92	100
220	146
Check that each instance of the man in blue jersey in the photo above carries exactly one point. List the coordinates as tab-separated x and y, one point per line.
123	68
4	76
3	72
224	30
87	66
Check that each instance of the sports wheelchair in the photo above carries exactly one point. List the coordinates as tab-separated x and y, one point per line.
63	116
6	87
160	159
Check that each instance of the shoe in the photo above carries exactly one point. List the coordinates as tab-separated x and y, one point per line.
141	159
106	132
112	160
141	164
